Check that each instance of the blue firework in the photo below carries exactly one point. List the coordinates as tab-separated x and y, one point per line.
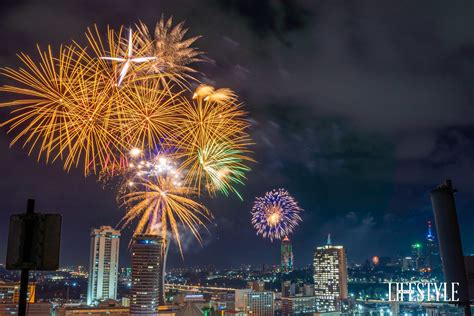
276	214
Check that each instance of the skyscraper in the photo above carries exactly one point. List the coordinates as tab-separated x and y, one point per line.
103	265
417	255
431	256
330	276
286	255
148	258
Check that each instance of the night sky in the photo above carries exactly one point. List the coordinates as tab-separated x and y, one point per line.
358	108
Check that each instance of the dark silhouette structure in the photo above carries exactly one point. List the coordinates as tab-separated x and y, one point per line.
449	238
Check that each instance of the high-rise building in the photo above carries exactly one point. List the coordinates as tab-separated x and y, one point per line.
417	255
431	256
408	264
148	265
103	265
286	255
260	303
330	276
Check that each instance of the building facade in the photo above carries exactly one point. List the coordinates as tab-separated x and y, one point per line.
432	260
10	292
330	276
299	305
34	309
417	255
241	299
286	255
148	258
257	286
103	265
260	303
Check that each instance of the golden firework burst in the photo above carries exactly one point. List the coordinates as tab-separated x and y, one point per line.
174	54
62	112
90	103
212	140
161	205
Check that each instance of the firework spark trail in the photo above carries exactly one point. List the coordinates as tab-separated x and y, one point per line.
276	214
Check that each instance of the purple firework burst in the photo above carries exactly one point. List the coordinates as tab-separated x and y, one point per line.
276	214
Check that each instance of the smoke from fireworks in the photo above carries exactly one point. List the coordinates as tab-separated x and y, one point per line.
276	214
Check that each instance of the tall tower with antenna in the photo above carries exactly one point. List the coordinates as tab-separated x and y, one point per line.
286	255
431	254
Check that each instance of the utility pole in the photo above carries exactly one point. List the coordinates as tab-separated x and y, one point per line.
28	242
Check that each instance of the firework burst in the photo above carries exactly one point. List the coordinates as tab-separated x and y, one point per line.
160	201
276	214
212	140
90	103
173	52
148	113
221	166
63	113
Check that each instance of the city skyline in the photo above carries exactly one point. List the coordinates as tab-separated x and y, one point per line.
354	169
236	158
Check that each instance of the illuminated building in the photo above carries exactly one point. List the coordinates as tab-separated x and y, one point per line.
241	299
407	264
286	255
103	308
299	305
254	303
260	303
148	258
417	255
287	289
257	286
330	276
431	257
10	292
308	290
103	265
35	309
